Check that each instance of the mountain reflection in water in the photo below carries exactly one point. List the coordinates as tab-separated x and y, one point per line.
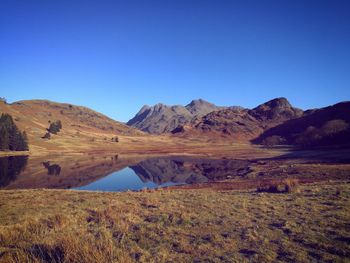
189	170
114	173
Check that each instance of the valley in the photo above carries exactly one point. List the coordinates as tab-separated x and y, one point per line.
230	184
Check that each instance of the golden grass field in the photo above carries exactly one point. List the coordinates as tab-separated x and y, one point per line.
227	221
310	224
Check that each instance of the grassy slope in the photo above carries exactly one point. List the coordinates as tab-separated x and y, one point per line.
176	226
85	130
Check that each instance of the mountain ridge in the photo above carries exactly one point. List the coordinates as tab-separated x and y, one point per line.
161	118
275	122
243	124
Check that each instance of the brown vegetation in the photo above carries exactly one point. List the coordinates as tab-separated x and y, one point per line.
176	226
287	185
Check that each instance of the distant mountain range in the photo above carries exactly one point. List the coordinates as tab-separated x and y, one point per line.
206	116
244	124
271	123
275	122
162	118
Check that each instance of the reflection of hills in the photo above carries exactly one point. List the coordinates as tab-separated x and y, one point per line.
63	172
189	170
10	168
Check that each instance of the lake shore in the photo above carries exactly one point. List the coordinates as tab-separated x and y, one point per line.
291	206
310	223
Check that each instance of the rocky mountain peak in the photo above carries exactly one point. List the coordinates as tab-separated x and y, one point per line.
162	118
278	108
201	107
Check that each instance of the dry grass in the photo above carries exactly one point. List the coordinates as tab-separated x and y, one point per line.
176	226
288	185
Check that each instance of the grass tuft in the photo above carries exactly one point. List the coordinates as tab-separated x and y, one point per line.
288	185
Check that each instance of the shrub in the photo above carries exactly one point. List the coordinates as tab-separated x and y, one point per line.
288	185
55	127
115	139
291	185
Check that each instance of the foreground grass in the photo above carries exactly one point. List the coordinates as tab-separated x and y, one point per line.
312	224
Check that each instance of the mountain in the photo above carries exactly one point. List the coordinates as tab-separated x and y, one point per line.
161	118
318	127
201	107
242	124
189	170
82	128
276	110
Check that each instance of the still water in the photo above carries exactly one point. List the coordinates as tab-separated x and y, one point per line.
114	173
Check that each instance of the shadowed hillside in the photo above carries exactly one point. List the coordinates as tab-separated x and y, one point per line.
319	127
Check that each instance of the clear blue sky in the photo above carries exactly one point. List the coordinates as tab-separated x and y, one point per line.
115	56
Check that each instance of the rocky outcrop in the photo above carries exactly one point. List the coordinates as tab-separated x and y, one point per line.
161	118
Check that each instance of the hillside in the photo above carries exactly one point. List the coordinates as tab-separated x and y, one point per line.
81	125
241	124
319	127
162	118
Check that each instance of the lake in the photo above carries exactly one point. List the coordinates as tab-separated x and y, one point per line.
114	172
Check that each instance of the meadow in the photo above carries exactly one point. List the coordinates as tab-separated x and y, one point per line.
308	224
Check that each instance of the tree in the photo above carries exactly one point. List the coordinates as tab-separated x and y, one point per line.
55	127
11	138
23	143
4	139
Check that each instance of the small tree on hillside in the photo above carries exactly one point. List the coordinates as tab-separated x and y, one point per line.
55	127
4	139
